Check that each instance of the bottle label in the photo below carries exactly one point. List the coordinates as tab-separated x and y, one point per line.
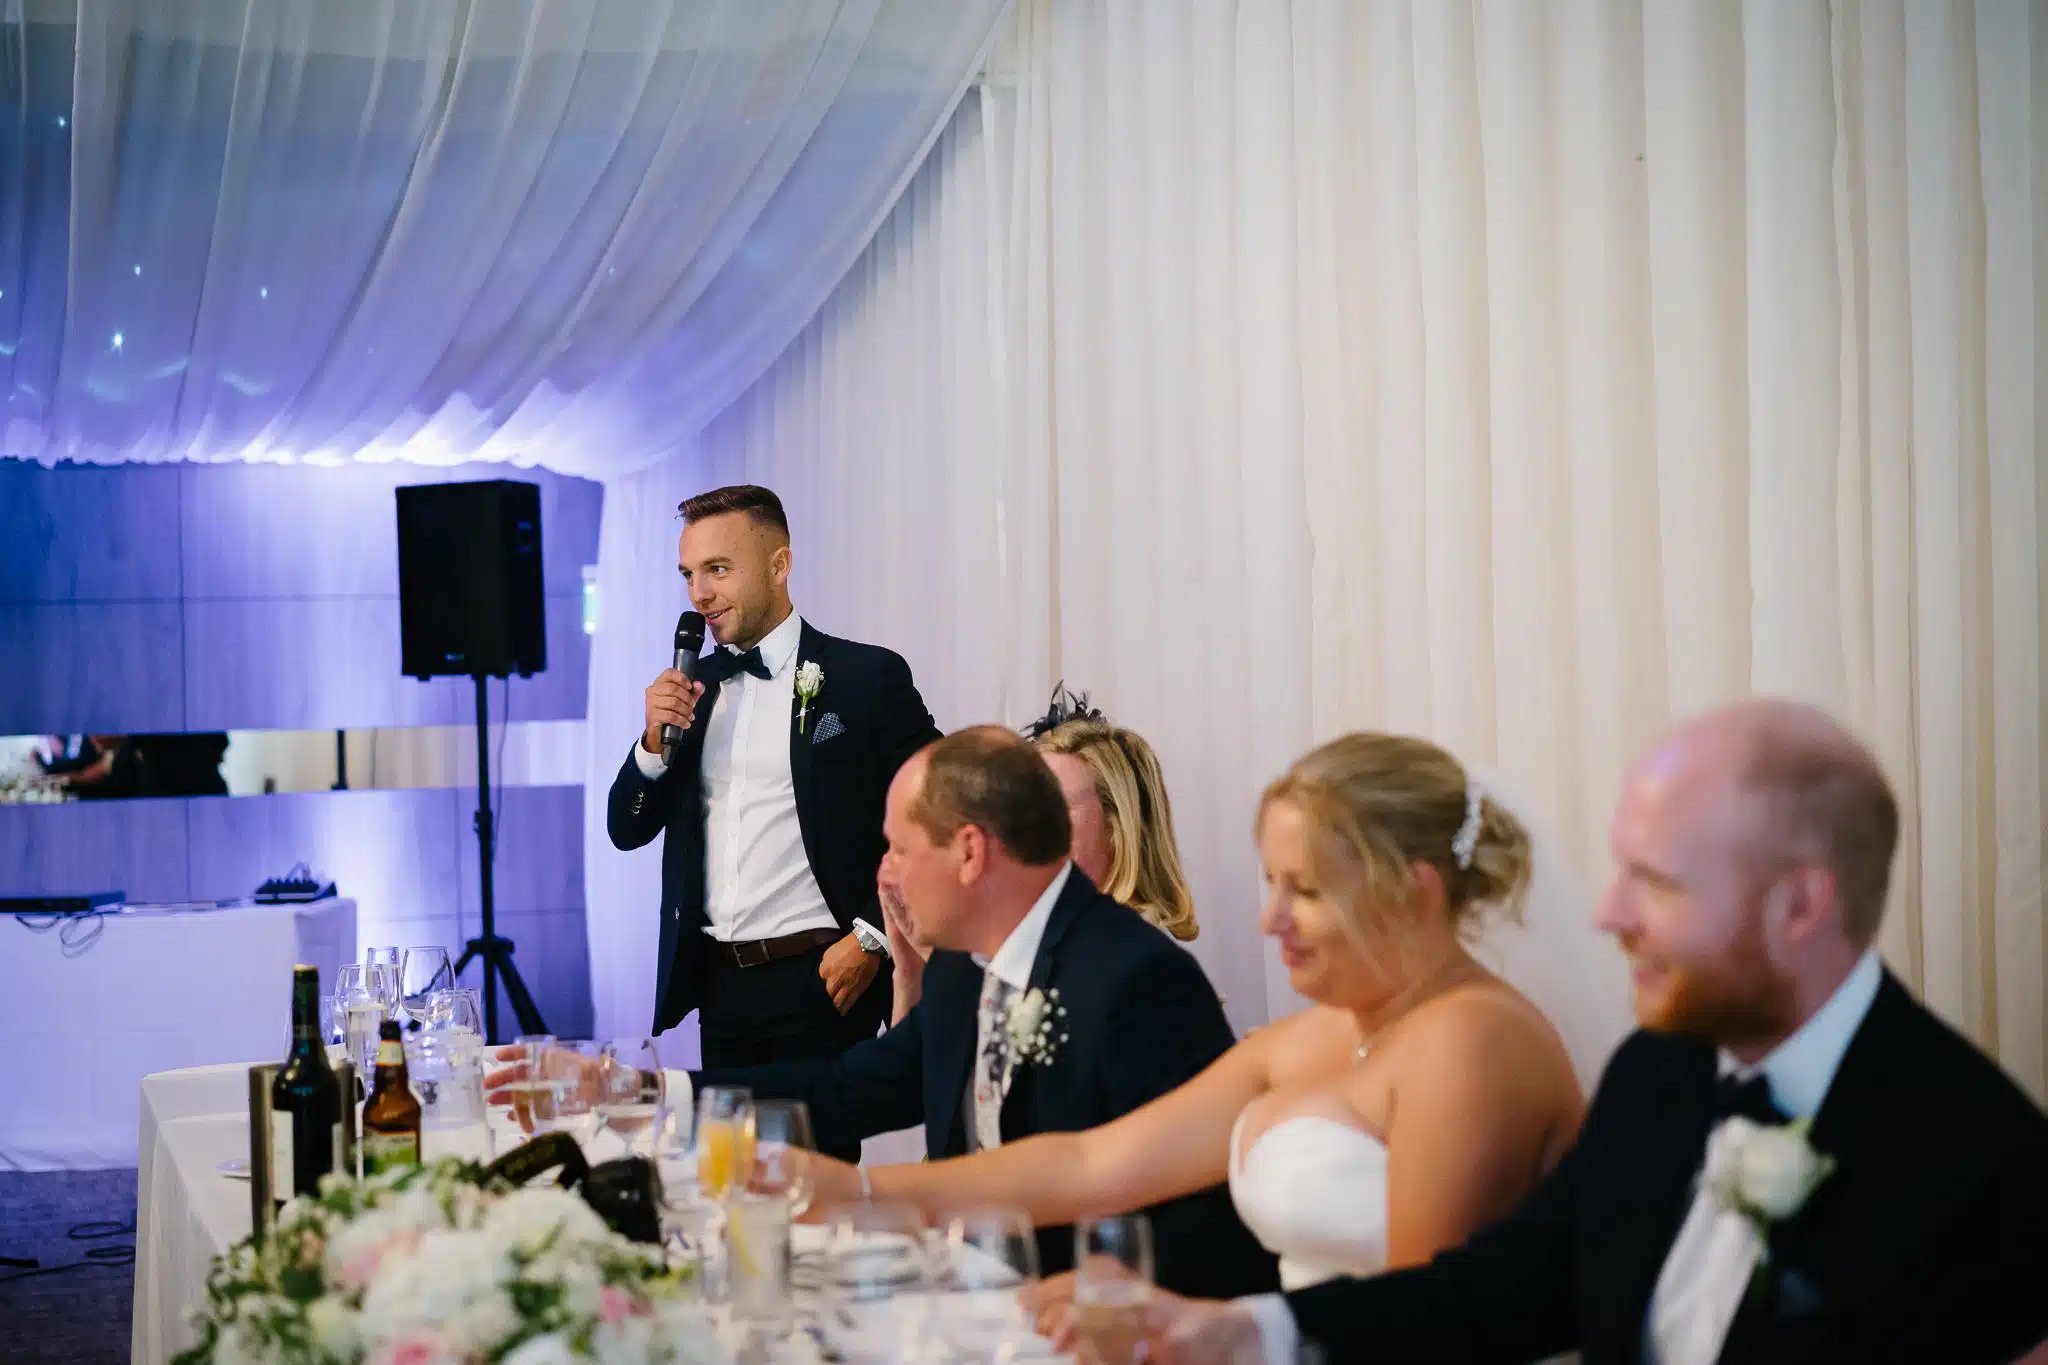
281	1176
390	1052
387	1151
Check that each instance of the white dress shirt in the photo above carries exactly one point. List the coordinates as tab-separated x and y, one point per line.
757	879
1005	976
1707	1270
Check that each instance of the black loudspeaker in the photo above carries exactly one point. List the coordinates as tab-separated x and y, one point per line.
471	601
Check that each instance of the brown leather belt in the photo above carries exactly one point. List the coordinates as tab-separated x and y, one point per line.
759	952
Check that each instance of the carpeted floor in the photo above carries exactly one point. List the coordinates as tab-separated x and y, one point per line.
77	1316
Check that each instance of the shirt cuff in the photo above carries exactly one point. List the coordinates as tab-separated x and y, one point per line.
677	1092
650	765
1279	1337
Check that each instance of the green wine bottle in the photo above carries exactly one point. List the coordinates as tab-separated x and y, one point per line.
305	1099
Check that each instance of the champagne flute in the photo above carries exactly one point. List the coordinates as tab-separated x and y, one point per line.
1112	1288
723	1135
630	1089
781	1148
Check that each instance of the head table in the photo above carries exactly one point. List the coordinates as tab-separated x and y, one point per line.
188	1212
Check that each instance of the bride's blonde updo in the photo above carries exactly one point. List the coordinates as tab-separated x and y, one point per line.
1386	802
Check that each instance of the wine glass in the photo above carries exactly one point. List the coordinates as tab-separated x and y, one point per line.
1112	1287
421	972
630	1087
724	1137
781	1147
876	1251
990	1254
457	1008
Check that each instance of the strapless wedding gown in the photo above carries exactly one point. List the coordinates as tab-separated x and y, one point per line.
1314	1192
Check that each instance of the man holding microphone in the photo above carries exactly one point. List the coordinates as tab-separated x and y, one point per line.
771	795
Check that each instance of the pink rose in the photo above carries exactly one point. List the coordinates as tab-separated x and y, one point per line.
363	1267
617	1305
425	1349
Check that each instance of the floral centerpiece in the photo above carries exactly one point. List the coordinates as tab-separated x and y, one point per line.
429	1265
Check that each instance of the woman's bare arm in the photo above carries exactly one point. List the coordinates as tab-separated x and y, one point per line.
1177	1144
1479	1102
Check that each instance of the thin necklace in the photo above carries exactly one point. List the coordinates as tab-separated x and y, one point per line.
1431	987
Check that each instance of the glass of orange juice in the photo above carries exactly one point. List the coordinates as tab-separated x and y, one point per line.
725	1132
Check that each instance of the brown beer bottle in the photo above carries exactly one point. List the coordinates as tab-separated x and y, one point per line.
391	1119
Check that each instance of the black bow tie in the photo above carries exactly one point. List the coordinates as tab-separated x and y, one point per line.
1749	1099
721	664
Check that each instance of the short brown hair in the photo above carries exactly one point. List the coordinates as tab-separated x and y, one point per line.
757	502
1827	799
987	777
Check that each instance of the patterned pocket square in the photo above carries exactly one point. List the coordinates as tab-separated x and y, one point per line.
829	726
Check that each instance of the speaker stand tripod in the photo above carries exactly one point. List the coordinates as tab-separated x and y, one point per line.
495	952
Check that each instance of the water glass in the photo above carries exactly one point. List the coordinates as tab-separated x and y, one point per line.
757	1260
629	1091
565	1099
781	1150
511	1123
724	1138
692	1225
1112	1288
447	1075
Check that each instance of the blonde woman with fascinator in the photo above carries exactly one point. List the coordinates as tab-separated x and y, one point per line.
1418	1098
1122	822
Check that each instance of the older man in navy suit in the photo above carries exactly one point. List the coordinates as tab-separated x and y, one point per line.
978	843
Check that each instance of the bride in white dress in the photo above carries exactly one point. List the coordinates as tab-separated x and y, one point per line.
1418	1098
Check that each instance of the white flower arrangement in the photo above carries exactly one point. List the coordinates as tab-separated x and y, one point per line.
1763	1174
810	680
1034	1028
424	1266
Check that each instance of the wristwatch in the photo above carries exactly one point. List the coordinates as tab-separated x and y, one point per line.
871	940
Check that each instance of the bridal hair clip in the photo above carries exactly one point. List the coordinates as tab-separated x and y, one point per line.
1466	841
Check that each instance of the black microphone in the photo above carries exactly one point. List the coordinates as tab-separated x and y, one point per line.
689	640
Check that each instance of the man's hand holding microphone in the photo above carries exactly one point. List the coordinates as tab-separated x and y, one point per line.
672	696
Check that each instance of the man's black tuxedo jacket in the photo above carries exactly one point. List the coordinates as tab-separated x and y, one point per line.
1928	1243
1141	1018
841	774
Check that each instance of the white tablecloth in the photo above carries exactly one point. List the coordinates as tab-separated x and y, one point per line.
187	1212
156	991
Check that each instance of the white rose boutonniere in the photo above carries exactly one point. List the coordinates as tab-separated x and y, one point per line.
810	678
1764	1175
1034	1026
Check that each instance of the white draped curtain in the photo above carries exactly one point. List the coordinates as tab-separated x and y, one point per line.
1522	375
561	232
